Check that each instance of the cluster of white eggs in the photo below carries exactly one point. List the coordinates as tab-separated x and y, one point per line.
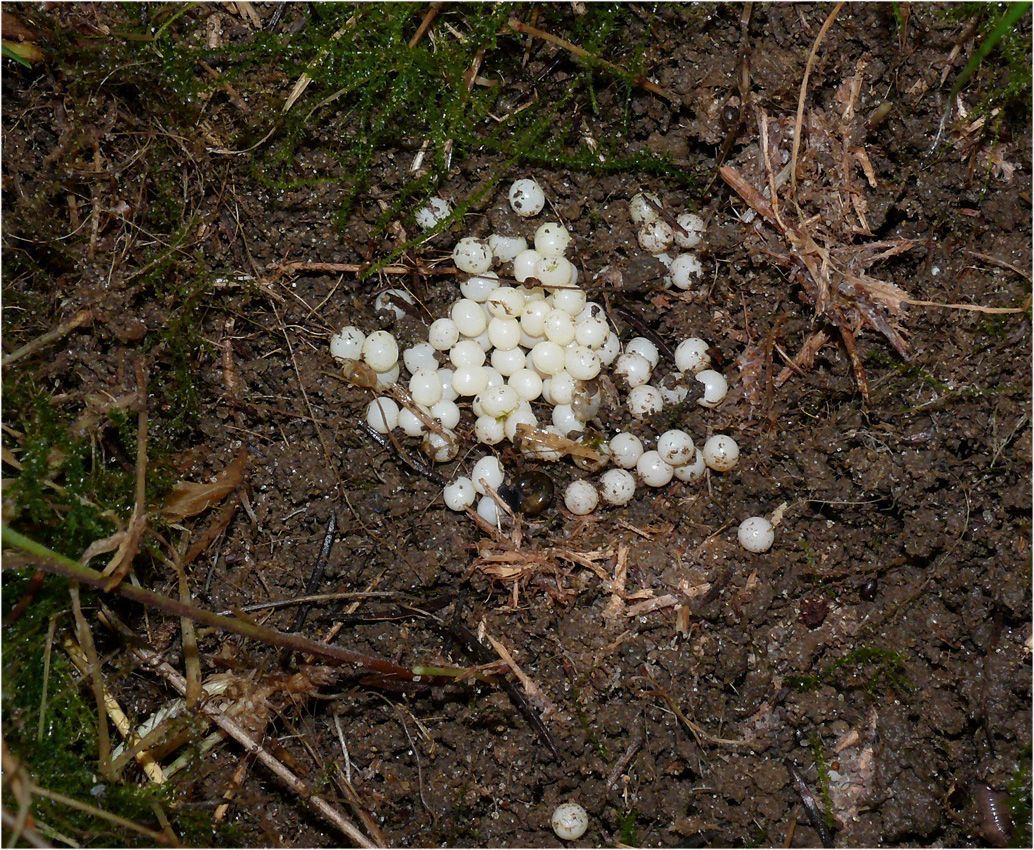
535	338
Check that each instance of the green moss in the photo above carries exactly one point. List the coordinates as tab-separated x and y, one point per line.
1019	790
865	667
822	769
627	830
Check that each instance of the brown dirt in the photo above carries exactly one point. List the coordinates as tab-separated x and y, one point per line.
908	518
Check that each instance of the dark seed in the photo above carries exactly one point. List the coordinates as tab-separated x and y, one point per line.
730	115
868	590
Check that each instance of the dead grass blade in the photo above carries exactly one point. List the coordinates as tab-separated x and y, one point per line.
189	498
40	342
85	638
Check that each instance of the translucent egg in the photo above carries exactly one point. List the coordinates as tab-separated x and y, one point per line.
442	335
386	379
505	248
645	348
504	334
388	301
592	333
656	237
489	430
566	421
380	351
756	534
548	357
410	423
445	376
479	287
533	318
507	362
469	317
472	255
382	414
488	471
653	470
488	510
347	343
582	363
571	301
721	453
581	498
644	401
493	378
526	197
434	211
459	494
562	386
691	355
559	327
483	341
446	412
552	239
641	210
419	356
466	352
694	227
715	388
425	387
524	264
526	383
685	271
499	401
634	368
469	380
676	448
553	271
626	449
617	486
611	349
692	471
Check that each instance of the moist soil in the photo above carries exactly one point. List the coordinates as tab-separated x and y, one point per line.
878	657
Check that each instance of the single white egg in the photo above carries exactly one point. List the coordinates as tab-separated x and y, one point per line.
581	498
566	421
482	340
347	343
469	380
489	430
526	197
653	470
504	334
459	494
434	211
526	383
425	387
380	351
548	357
569	821
611	349
756	534
592	333
420	356
488	471
389	301
410	423
443	334
562	386
617	486
626	449
447	412
691	355
524	264
676	448
499	401
466	352
645	348
553	271
571	301
386	379
505	302
572	280
469	317
692	471
382	414
507	362
721	453
533	318
448	393
521	416
673	388
634	368
685	271
552	239
479	287
693	225
559	327
488	510
715	387
656	237
644	401
472	255
441	448
641	210
582	363
493	378
505	248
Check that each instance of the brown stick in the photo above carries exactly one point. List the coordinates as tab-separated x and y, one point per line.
353	268
62	330
519	26
425	24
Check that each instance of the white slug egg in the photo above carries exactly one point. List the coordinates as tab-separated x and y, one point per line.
526	197
442	335
434	211
685	271
552	239
617	486
692	471
459	494
482	340
626	449
571	301
469	380
566	421
562	386
756	534
691	355
425	387
653	470
504	334
410	423
441	449
386	379
507	362
446	412
641	210
521	416
505	302
526	383
466	352
656	237
721	453
488	510
479	287
715	387
645	348
469	317
553	271
347	343
533	318
380	351
673	388
582	363
580	498
505	248
493	378
499	401
559	327
448	393
644	401
524	264
610	350
419	356
676	447
592	333
548	357
634	368
488	471
572	280
694	227
389	301
472	255
382	414
489	430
